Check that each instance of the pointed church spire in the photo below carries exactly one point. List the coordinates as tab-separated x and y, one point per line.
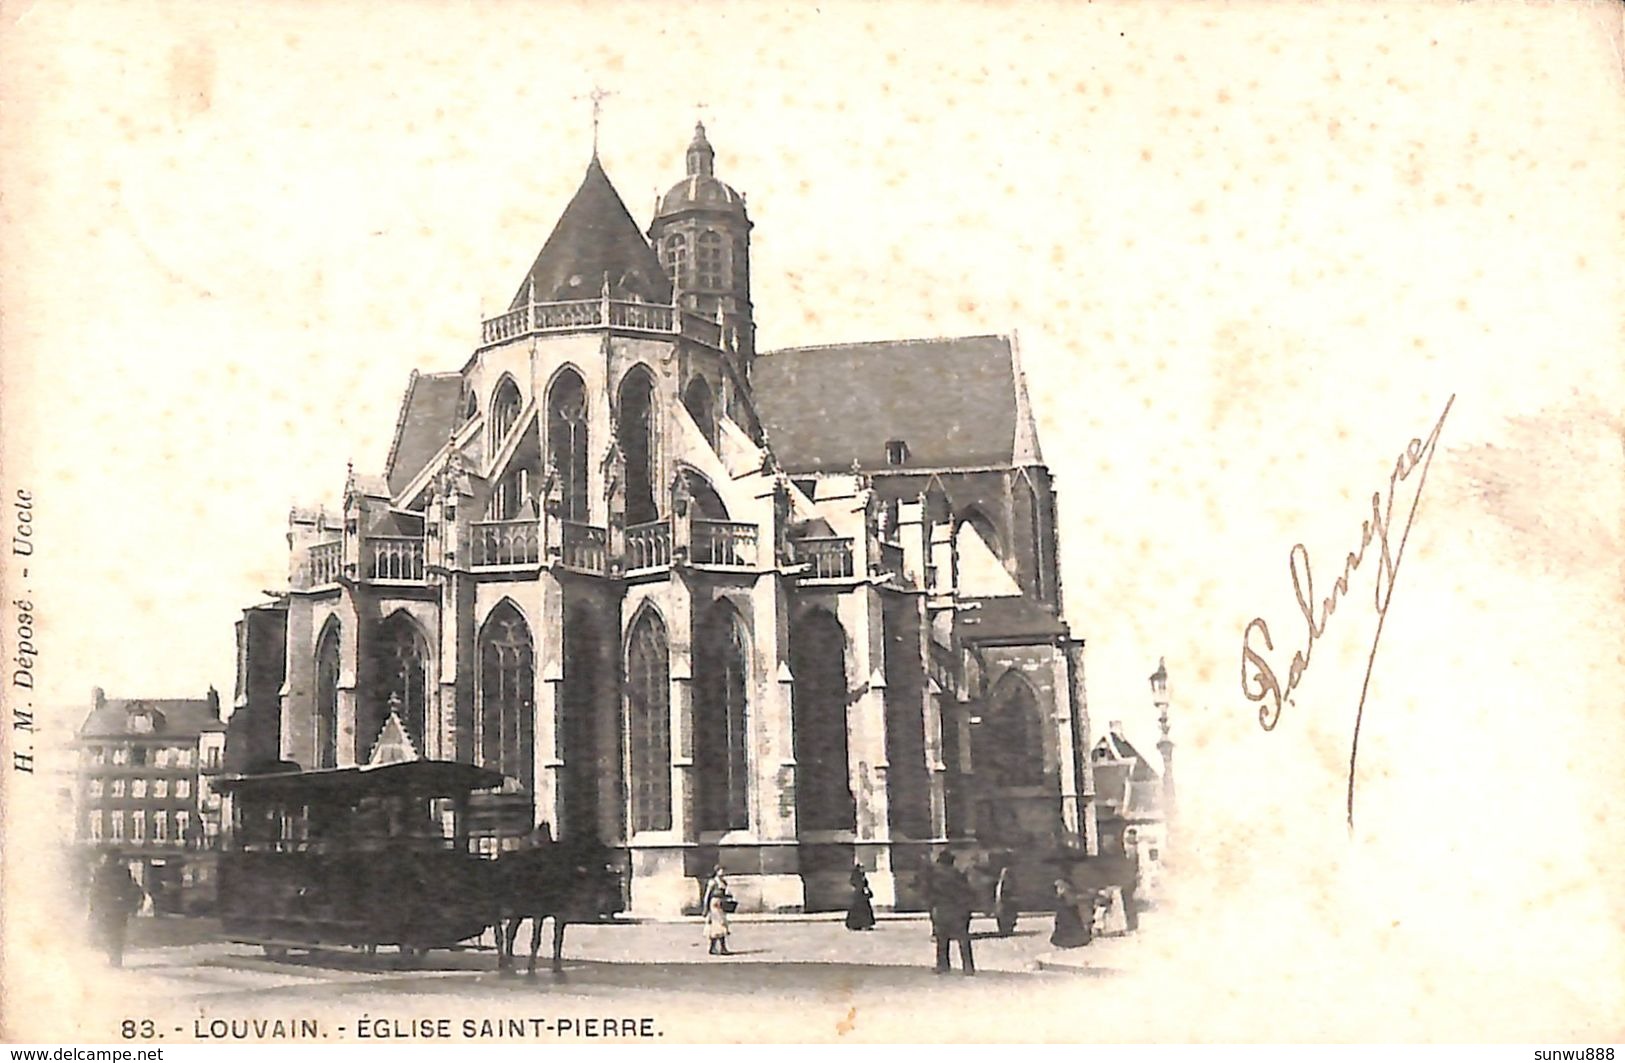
701	158
1024	448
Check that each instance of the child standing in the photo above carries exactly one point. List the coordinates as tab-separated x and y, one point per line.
716	925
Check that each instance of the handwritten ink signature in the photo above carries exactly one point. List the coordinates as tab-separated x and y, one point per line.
1260	684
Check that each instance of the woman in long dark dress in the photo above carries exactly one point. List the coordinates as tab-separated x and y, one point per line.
1070	929
860	914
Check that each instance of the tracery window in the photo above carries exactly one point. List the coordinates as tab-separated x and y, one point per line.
401	657
636	427
648	709
722	721
507	684
567	442
1009	745
505	405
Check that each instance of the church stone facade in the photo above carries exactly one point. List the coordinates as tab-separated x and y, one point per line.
780	610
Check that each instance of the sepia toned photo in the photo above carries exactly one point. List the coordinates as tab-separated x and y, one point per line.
538	523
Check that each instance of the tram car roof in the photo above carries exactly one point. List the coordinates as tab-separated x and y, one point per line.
411	778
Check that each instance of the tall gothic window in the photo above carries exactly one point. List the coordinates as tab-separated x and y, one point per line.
505	406
697	399
400	661
327	698
676	257
708	261
1008	745
818	707
636	427
507	684
567	441
648	710
722	721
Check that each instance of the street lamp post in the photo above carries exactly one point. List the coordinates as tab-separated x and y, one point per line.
1165	745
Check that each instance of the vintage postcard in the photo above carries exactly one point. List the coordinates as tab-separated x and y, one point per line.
562	523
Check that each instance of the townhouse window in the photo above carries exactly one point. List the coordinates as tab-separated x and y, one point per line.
160	788
138	788
115	820
183	788
95	788
138	827
94	822
118	787
183	827
121	756
160	827
896	452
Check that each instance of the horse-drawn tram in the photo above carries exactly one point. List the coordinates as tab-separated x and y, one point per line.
382	855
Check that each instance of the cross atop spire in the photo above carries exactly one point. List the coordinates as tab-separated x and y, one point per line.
597	96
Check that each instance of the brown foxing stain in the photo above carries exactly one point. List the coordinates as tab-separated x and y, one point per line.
846	1025
1539	466
191	78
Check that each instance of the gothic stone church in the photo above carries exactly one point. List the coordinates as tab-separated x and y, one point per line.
782	610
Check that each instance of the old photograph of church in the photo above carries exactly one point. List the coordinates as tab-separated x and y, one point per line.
832	521
782	611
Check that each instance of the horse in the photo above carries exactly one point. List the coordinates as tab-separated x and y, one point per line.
569	882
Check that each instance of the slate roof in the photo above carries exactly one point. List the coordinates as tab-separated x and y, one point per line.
956	403
428	412
182	717
595	235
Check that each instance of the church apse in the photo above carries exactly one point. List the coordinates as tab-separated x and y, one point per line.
702	602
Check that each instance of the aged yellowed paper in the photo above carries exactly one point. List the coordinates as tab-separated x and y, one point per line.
1279	344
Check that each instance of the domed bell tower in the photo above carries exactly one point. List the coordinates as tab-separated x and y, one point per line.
702	235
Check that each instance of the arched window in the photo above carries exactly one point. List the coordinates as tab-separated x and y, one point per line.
701	406
635	401
818	706
676	256
506	687
708	261
1008	745
400	656
471	406
327	697
505	406
722	721
648	710
567	441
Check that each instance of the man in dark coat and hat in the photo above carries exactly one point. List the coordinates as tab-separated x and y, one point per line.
949	895
114	897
